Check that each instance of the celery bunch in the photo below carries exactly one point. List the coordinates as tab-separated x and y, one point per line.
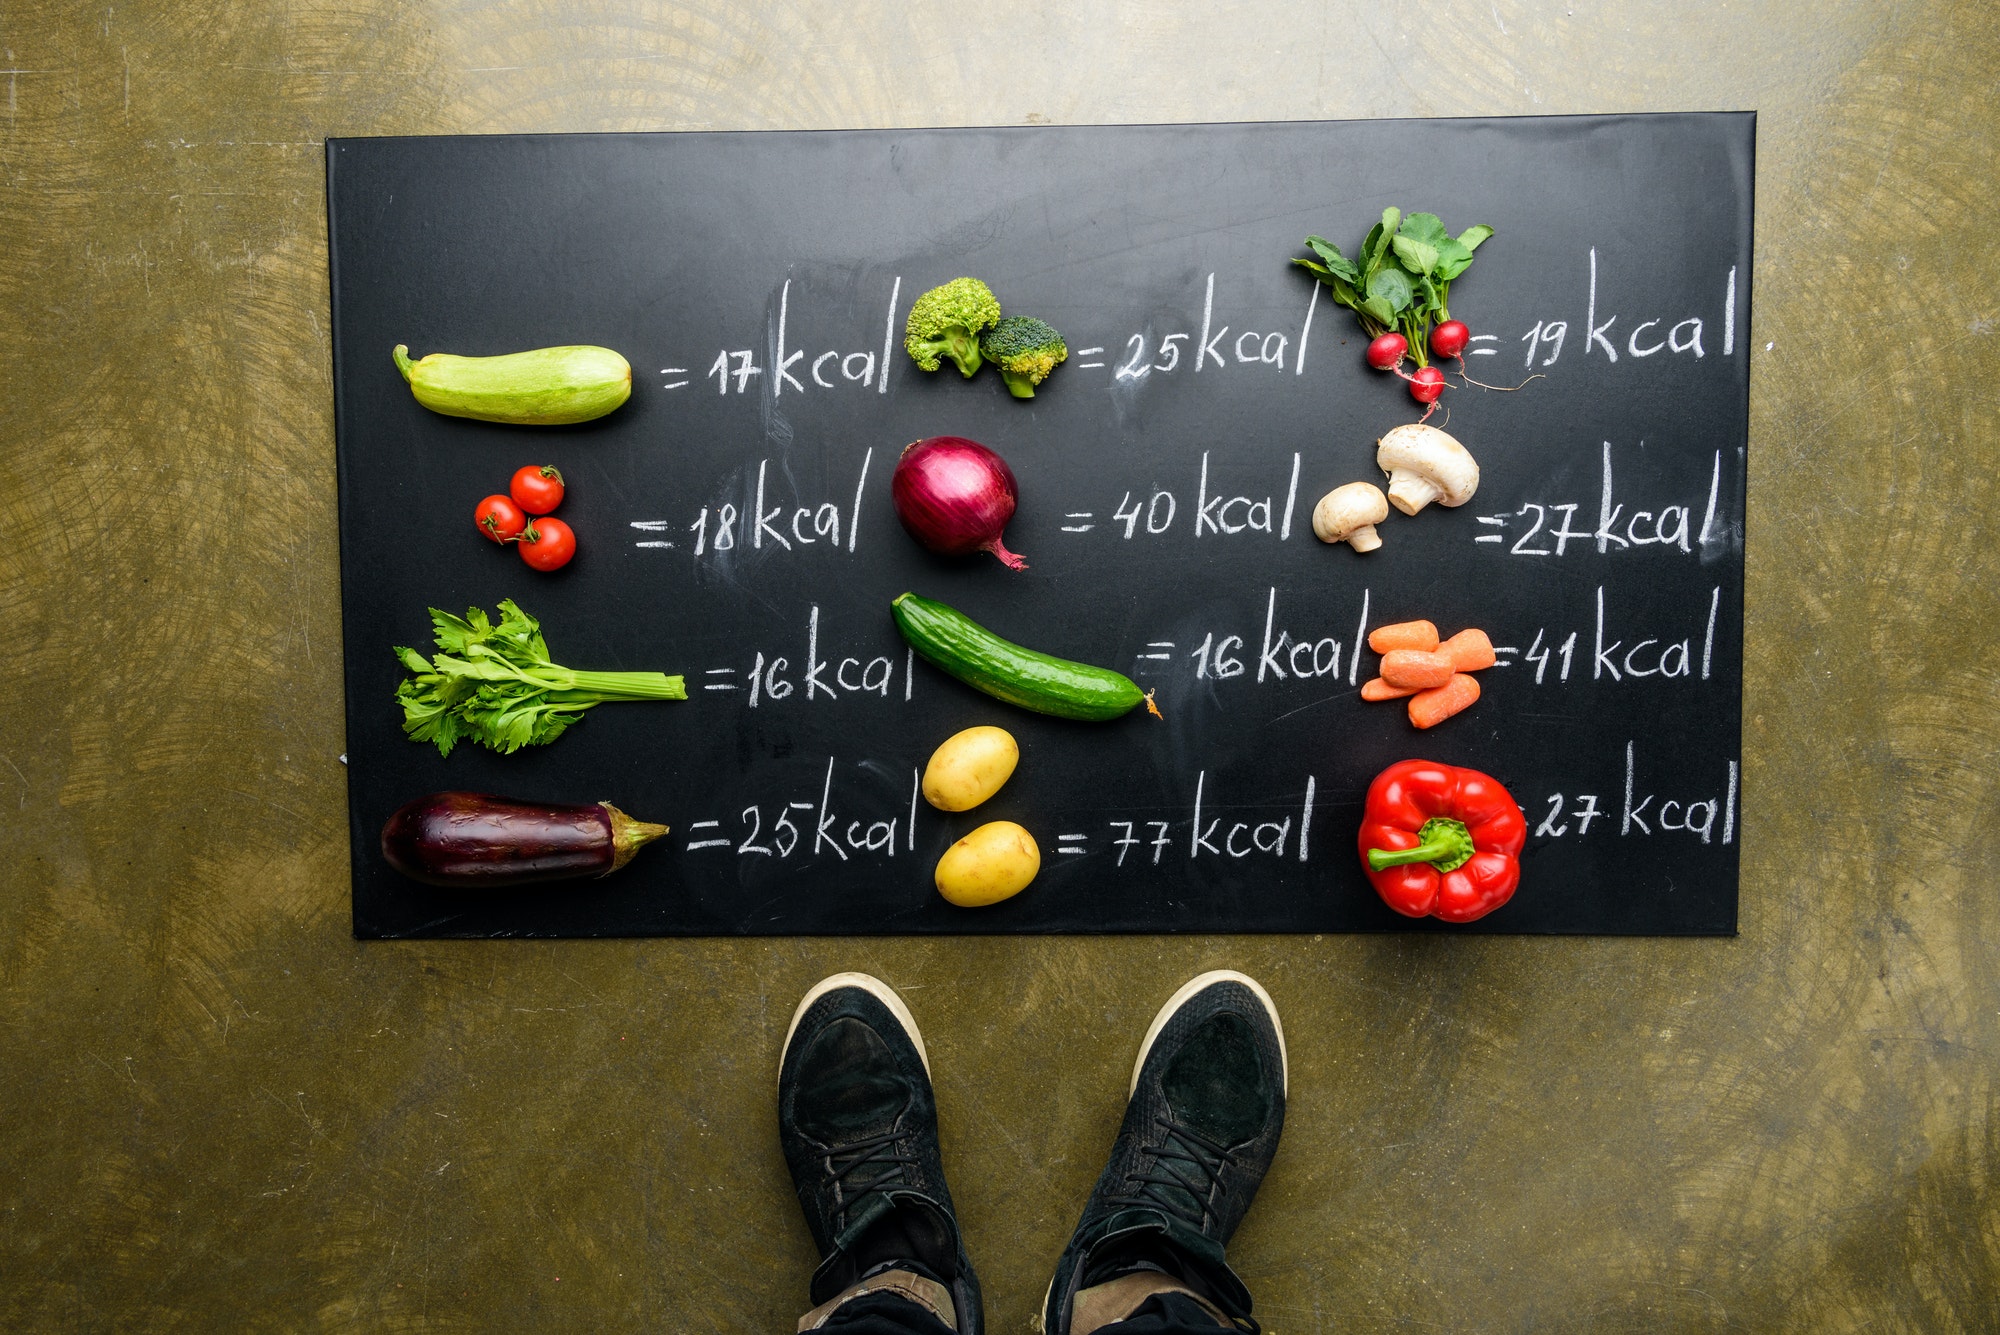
496	685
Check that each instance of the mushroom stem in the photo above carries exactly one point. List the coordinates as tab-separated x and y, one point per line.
1411	492
1364	539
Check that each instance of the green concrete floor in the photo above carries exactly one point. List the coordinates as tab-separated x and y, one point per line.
221	1113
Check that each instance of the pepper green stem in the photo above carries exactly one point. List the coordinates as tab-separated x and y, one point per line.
1446	843
403	362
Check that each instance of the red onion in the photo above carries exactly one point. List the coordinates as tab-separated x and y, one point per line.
955	496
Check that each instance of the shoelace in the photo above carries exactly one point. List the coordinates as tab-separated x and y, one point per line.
874	1150
1162	1187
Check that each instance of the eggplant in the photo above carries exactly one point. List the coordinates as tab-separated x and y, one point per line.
474	841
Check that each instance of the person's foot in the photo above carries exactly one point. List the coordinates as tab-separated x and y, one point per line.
858	1125
1201	1128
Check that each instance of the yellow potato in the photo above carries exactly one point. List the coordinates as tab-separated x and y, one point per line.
970	767
994	862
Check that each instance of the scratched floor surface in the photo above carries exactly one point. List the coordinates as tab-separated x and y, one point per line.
222	1113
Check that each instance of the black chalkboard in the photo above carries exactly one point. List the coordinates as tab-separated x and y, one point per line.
1604	547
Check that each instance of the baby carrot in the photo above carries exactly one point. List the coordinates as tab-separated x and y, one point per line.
1376	690
1404	635
1432	707
1416	669
1469	650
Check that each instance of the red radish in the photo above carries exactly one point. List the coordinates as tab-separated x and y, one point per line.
1450	338
955	497
1388	350
1427	385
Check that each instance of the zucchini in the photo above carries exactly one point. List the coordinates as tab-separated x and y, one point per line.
952	641
544	387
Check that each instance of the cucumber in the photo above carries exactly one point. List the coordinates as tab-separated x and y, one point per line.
545	387
952	641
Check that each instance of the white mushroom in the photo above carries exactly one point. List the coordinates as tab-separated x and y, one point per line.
1424	465
1349	514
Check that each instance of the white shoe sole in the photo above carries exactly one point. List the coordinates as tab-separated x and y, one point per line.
1189	989
883	993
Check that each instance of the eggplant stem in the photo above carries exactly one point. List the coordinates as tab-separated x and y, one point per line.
628	836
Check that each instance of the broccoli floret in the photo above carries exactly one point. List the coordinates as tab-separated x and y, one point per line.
945	322
1026	350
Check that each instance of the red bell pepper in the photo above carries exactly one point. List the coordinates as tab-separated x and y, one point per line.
1439	841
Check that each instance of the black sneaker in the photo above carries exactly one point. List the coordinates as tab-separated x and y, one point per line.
1201	1128
859	1129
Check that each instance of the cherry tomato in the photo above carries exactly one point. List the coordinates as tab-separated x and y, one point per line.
1427	385
548	544
538	488
499	518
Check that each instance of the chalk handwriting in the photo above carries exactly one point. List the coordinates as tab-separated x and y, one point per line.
770	520
799	370
1213	510
1613	654
813	829
815	674
1222	343
1707	816
1281	654
1549	528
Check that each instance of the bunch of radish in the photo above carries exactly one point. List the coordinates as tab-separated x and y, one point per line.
1399	288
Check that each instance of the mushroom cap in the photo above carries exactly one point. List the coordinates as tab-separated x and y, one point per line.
1347	508
1432	455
